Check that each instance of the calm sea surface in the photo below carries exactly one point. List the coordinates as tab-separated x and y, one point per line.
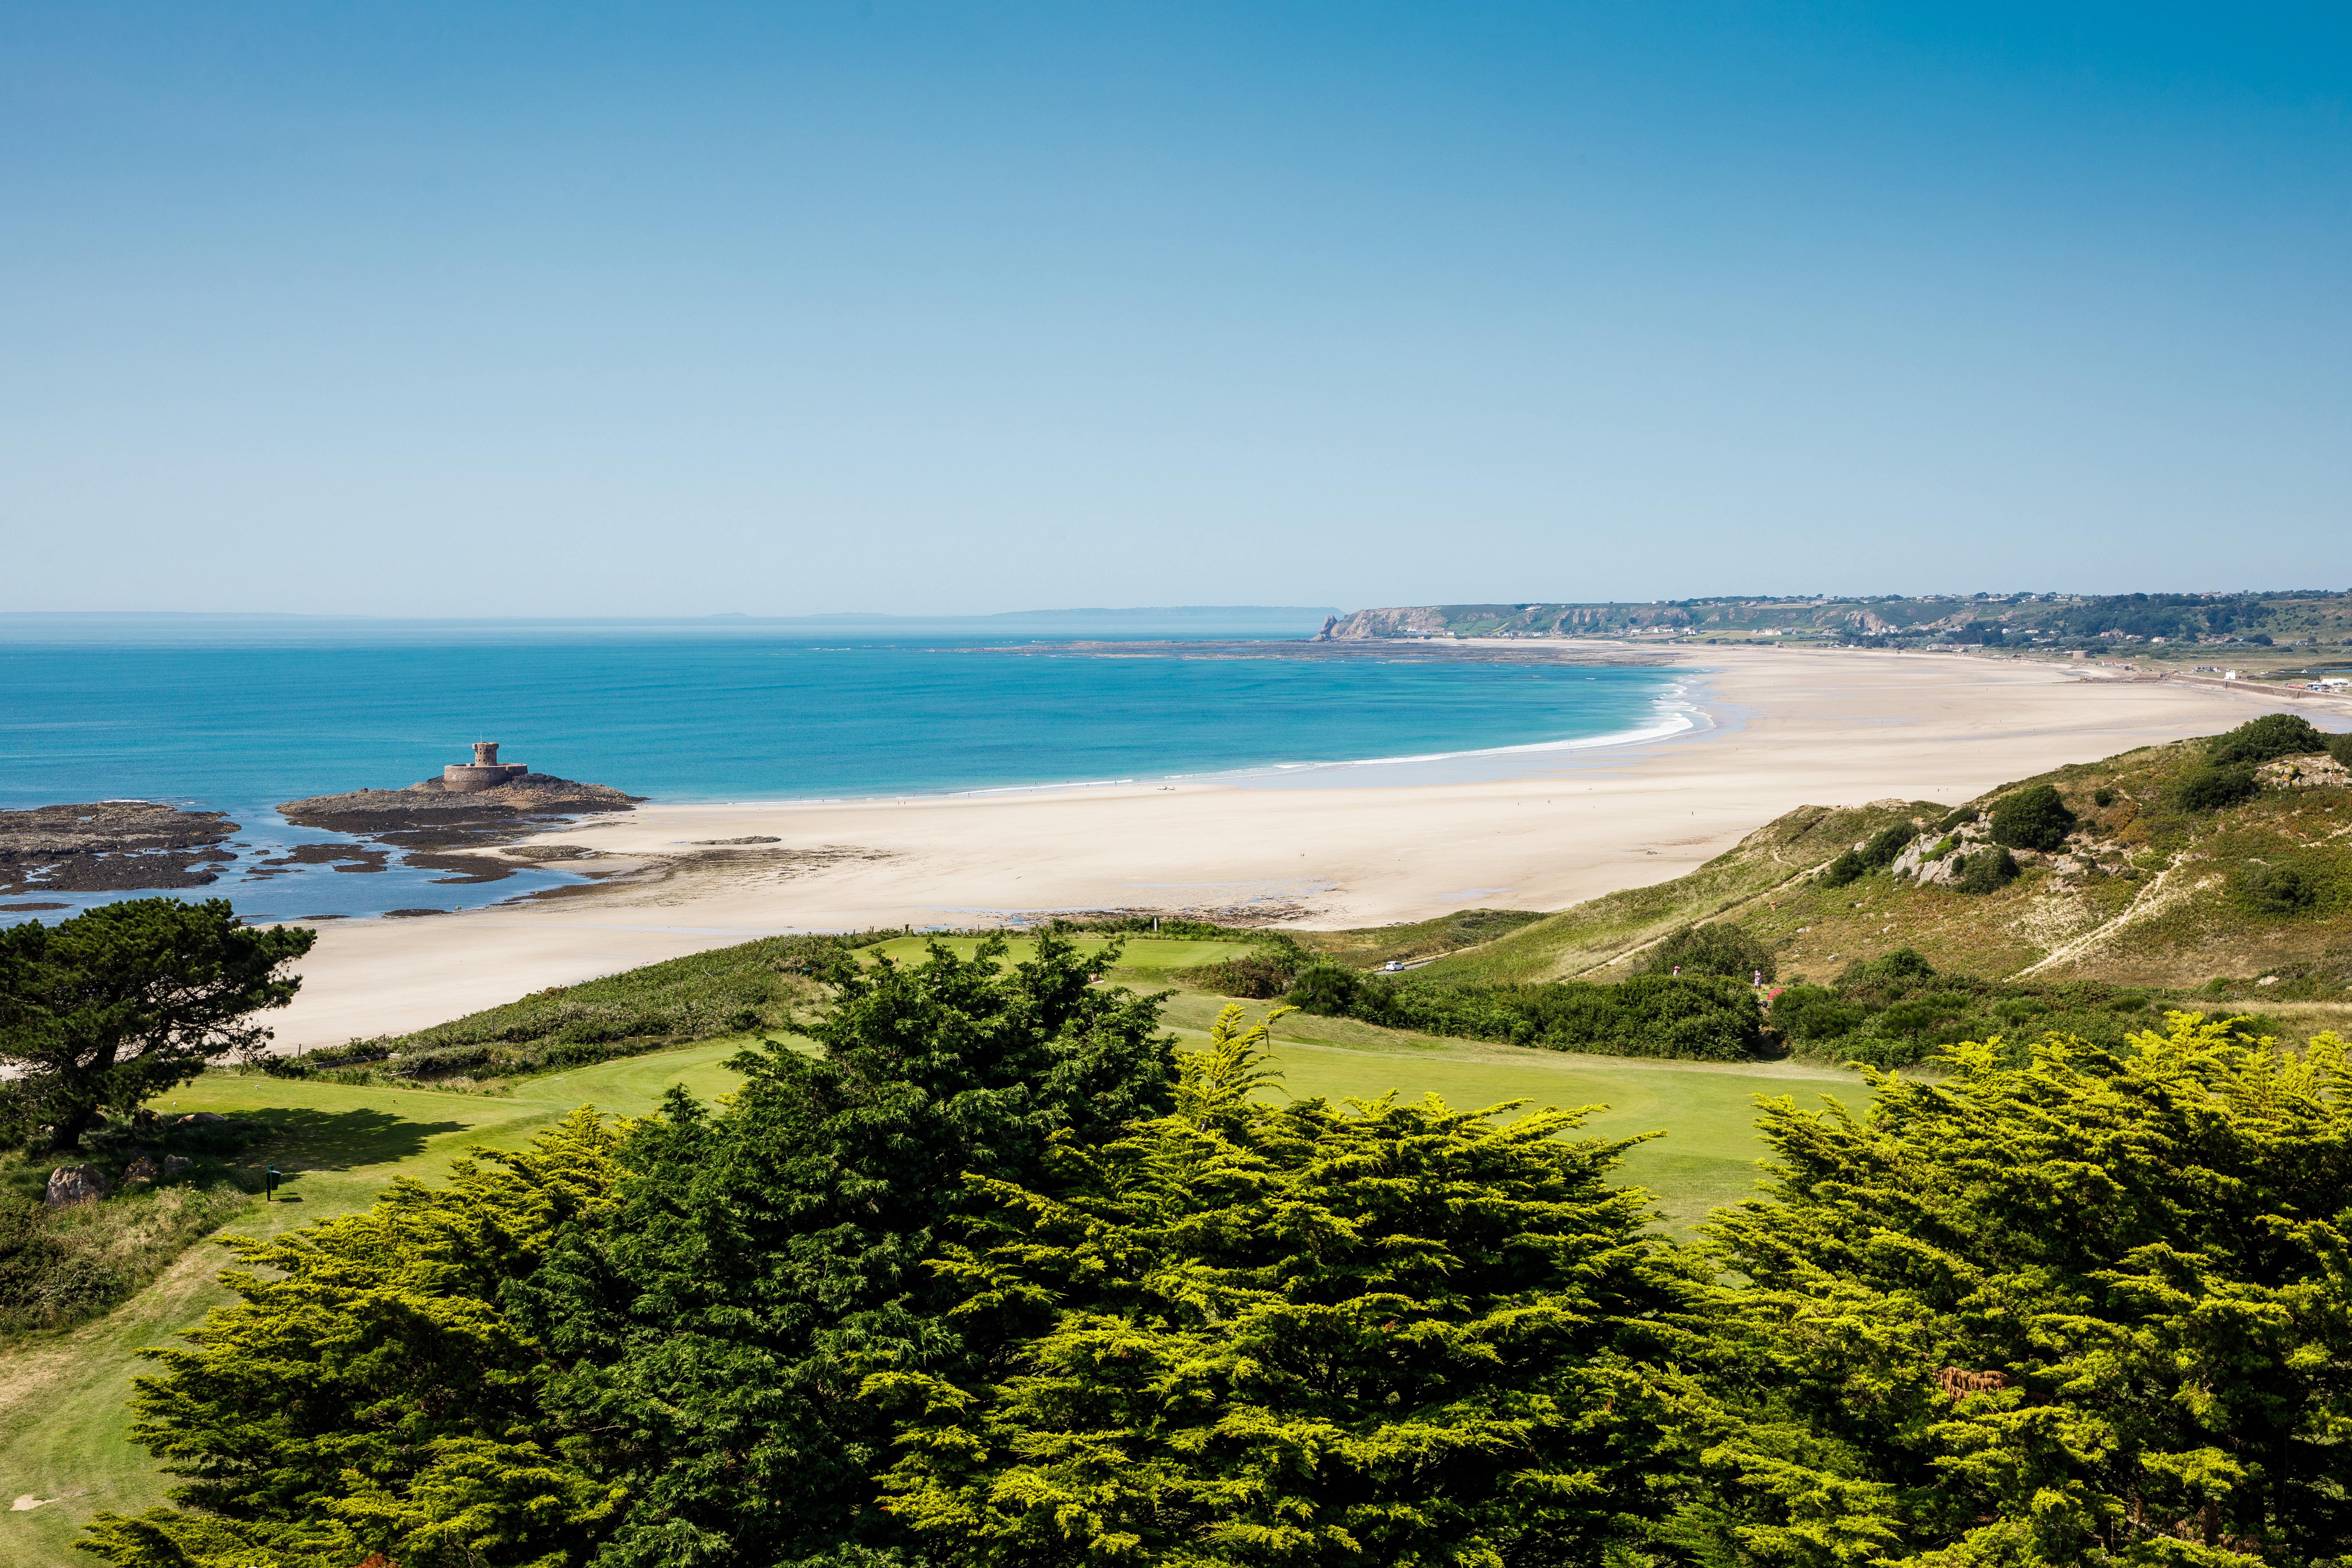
237	726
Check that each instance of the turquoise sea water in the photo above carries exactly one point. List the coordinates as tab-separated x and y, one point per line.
237	724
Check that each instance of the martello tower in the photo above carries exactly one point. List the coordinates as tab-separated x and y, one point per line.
485	772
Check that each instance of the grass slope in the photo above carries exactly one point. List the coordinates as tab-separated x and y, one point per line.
2145	893
1580	941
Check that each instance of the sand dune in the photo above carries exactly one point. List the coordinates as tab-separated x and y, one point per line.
1788	728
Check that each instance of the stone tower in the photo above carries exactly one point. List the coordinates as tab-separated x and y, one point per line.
485	772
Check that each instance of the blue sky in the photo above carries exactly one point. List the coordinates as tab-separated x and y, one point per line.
877	305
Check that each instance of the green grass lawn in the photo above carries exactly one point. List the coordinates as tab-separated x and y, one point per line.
1147	953
63	1425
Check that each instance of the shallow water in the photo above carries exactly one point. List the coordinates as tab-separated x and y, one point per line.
237	725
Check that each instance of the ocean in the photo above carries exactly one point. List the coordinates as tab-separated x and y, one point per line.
236	720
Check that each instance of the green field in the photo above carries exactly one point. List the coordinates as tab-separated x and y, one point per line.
62	1416
1148	953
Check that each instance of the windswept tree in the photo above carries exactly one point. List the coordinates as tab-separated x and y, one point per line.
1299	1335
117	1004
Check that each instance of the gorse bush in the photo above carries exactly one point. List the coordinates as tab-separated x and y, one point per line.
2213	787
2034	817
2288	887
1875	855
1897	1011
1718	947
2262	740
1988	870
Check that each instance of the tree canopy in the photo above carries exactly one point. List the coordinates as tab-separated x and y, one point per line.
1301	1336
2265	739
2094	1308
707	1343
130	999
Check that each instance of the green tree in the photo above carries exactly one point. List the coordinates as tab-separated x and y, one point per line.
130	999
1718	947
2095	1308
1302	1335
2265	738
2034	817
706	1344
369	1392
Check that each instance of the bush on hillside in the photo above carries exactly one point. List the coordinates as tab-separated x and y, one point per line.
1255	976
2340	748
1890	973
2268	888
2034	817
2265	739
1719	947
1875	855
2215	787
1988	870
1898	1010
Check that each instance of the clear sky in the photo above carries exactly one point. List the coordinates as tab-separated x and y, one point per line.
886	305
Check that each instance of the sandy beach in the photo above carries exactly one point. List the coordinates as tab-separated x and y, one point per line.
1784	729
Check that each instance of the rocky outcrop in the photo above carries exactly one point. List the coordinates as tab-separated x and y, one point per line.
110	845
2313	772
427	819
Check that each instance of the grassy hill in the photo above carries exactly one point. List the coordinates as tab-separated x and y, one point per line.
2144	891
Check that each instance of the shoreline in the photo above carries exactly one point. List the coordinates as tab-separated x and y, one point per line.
1788	727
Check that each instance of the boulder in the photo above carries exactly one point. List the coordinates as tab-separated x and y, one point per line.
198	1118
176	1163
74	1184
142	1169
